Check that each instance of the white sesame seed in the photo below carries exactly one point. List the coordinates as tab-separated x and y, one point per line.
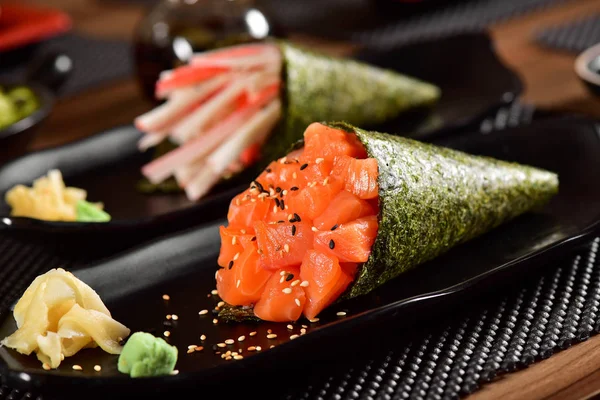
175	317
243	231
233	240
46	366
252	333
305	326
314	229
287	290
269	331
235	353
166	297
282	273
296	282
167	333
271	346
251	348
237	284
294	175
237	255
203	337
214	292
286	207
220	304
303	331
77	367
168	316
271	336
228	358
175	372
297	302
284	192
314	320
274	209
290	326
282	279
202	312
221	345
192	346
215	321
190	351
283	160
241	338
258	348
229	341
294	337
319	160
304	284
341	314
238	357
286	248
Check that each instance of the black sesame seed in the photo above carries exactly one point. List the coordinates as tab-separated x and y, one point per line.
331	244
294	188
253	239
297	217
268	170
278	189
333	228
303	166
259	186
280	221
289	277
230	264
282	205
293	230
277	202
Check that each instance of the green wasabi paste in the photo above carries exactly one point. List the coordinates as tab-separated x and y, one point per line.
88	212
147	355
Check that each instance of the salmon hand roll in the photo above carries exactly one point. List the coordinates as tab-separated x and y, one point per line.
349	209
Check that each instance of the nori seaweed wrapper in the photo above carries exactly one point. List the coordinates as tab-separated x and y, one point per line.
319	87
433	198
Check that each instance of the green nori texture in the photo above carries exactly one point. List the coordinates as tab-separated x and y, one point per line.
319	87
433	198
230	313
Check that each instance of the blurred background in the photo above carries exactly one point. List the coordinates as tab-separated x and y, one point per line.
100	58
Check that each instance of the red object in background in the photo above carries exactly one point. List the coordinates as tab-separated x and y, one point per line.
21	25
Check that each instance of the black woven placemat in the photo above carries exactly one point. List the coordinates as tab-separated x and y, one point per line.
573	36
451	358
95	61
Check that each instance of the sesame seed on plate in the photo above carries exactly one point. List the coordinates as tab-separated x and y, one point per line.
241	338
215	321
304	284
214	292
271	336
220	304
167	333
229	341
203	337
228	358
166	297
190	351
271	346
175	317
303	331
269	331
287	290
314	320
199	348
341	314
202	312
258	348
175	372
192	346
304	326
221	345
238	357
290	326
168	316
252	333
252	348
294	336
77	367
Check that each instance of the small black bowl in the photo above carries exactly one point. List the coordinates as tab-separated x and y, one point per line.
587	67
45	76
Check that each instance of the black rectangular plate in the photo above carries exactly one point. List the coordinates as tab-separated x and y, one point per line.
183	266
474	82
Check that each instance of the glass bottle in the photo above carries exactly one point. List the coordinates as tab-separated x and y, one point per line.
173	30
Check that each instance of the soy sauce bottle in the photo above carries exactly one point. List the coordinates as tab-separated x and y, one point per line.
173	30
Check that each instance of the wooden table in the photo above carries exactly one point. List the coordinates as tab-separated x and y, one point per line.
549	80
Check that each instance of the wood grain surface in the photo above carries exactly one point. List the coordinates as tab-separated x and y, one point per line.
550	82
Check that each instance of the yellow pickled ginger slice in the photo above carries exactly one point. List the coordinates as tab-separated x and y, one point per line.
58	315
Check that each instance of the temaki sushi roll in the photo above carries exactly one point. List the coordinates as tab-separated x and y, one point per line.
230	108
348	209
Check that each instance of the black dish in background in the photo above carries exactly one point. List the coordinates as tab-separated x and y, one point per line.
474	82
183	266
45	76
108	167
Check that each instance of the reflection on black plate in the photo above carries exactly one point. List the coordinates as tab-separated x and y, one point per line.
472	79
183	266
